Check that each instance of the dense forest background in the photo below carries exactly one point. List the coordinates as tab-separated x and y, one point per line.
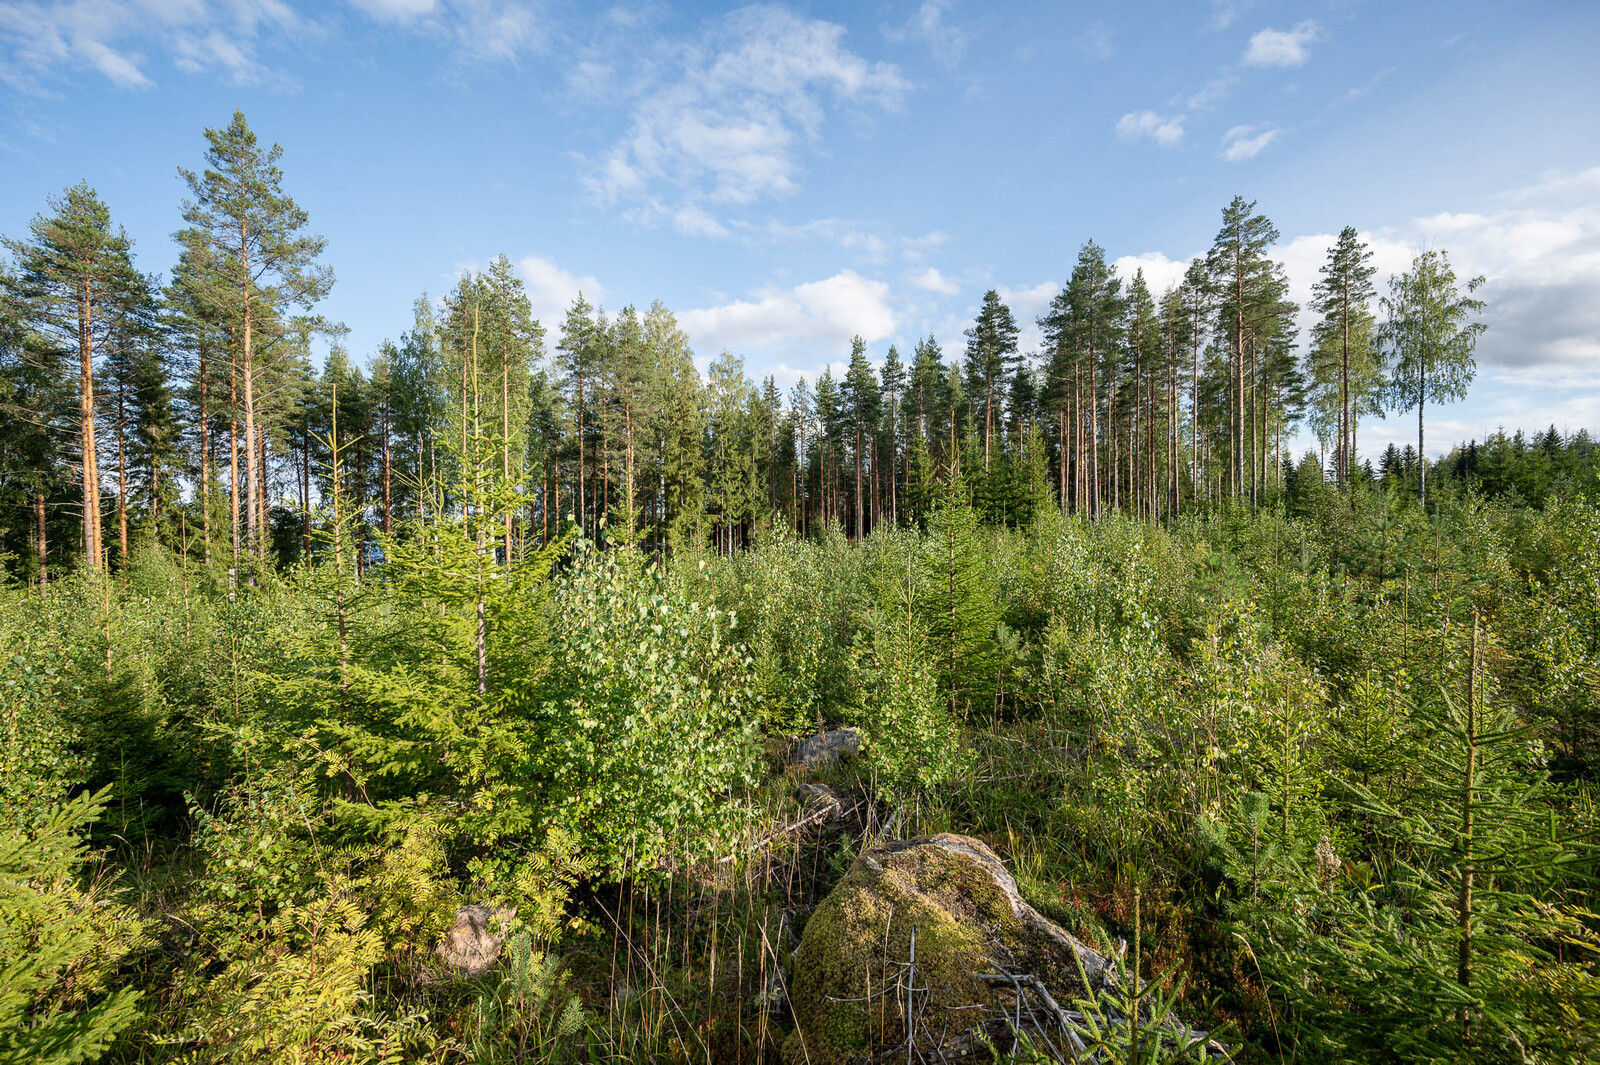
300	660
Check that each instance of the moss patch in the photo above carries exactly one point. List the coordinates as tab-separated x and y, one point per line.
847	989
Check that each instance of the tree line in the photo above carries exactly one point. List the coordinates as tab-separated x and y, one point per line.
189	407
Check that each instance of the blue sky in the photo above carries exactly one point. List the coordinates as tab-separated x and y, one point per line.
785	176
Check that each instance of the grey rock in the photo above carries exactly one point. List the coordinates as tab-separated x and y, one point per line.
828	746
942	914
820	802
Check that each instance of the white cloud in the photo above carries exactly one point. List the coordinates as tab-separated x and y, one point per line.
1246	142
1282	48
41	40
551	290
1165	130
1031	301
1160	272
729	125
824	313
933	281
1541	256
927	25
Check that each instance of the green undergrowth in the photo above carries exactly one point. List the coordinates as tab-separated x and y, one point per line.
1320	749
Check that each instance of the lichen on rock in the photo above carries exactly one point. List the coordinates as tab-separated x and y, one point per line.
847	988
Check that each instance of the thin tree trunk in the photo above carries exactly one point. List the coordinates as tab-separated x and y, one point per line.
1468	795
505	453
1094	437
233	459
1061	463
252	470
1345	433
91	473
44	555
387	466
860	508
305	488
1422	461
1194	408
122	478
205	459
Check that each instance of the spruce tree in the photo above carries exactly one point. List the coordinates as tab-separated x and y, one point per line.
582	357
1471	947
731	484
678	429
892	379
861	402
960	606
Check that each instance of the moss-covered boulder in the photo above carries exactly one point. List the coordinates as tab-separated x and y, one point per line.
847	989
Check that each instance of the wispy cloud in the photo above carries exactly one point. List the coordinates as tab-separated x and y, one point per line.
1282	48
397	10
1095	40
40	41
946	43
1211	93
500	30
1165	130
1225	13
693	221
1247	142
728	124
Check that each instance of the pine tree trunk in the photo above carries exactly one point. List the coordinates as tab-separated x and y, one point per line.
305	489
505	453
1094	437
91	473
860	509
1194	410
233	450
252	470
205	459
1061	458
1238	380
258	487
122	479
